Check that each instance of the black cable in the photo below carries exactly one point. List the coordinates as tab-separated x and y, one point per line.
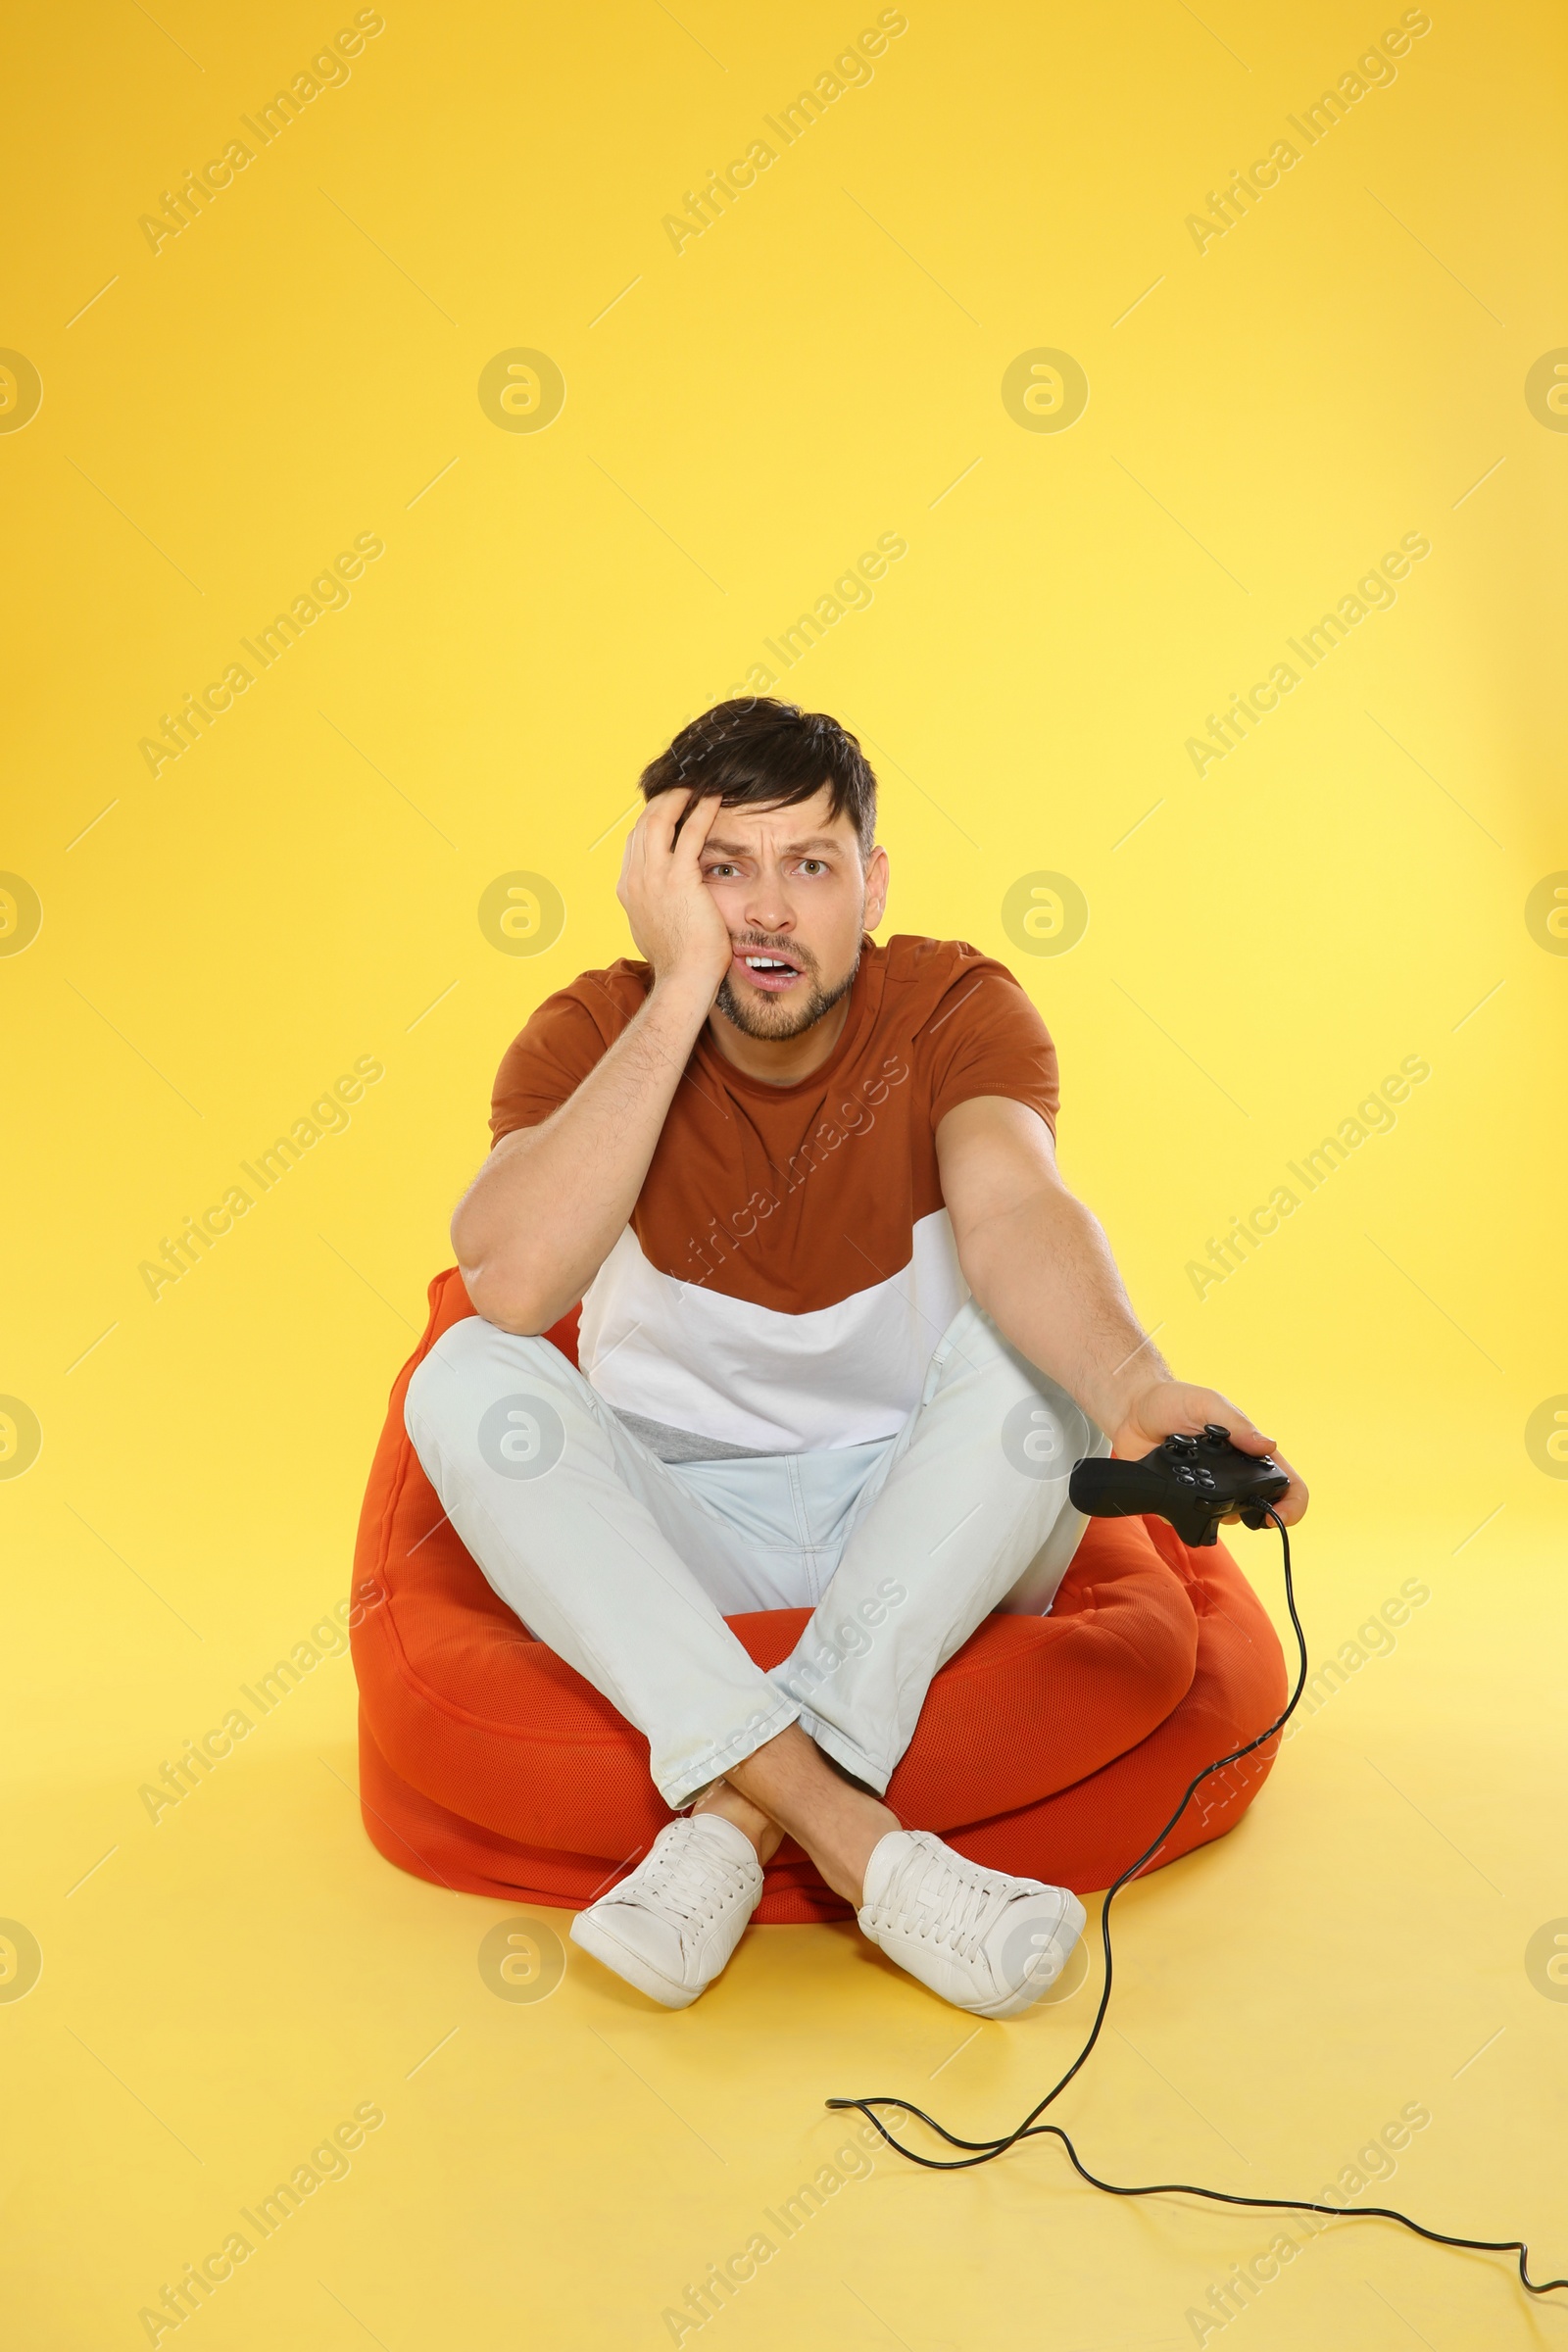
1032	2128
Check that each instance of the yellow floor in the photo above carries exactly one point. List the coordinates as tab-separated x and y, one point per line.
226	1988
203	924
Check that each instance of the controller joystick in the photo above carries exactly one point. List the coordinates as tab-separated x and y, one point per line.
1191	1481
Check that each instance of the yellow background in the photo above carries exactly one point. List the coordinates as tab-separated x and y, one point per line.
299	889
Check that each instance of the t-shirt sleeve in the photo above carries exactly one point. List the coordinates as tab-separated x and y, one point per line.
544	1066
986	1038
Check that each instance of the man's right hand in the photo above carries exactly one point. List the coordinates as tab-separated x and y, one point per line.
550	1201
674	917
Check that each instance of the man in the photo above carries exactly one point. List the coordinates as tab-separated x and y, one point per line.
843	1334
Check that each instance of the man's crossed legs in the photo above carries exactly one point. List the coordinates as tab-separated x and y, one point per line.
626	1566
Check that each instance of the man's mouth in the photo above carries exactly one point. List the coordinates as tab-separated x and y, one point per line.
766	969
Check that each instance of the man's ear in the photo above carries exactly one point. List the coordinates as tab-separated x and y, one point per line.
876	887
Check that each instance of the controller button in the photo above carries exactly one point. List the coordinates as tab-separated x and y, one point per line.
1205	1478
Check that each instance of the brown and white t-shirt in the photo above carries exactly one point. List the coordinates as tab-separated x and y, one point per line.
789	1266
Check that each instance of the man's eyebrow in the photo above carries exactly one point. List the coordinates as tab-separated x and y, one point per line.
812	842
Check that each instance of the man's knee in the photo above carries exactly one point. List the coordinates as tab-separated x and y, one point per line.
469	1367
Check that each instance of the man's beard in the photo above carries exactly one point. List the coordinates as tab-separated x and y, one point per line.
769	1017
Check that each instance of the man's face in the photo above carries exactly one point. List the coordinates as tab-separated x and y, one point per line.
795	899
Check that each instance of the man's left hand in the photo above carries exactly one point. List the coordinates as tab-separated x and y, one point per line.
1169	1407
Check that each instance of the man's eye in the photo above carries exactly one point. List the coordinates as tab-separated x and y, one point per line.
813	865
713	871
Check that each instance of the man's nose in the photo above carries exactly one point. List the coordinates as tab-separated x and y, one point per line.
768	904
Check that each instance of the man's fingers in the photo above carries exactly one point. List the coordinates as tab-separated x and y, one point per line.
695	825
632	854
1207	1404
1291	1505
657	822
1203	1405
670	814
652	839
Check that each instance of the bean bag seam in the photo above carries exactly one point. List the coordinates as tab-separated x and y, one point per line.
611	1738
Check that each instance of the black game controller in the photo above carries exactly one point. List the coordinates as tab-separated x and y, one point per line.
1193	1482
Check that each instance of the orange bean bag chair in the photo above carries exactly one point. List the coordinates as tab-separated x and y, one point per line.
1054	1746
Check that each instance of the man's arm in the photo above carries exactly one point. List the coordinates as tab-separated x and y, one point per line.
1041	1266
550	1201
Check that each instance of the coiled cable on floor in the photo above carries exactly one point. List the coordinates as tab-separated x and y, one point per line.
985	2151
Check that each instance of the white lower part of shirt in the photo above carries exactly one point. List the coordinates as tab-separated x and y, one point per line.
723	1368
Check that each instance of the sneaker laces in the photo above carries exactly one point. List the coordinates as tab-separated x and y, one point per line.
945	1899
680	1878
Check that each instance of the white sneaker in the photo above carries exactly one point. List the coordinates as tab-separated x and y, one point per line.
987	1943
672	1923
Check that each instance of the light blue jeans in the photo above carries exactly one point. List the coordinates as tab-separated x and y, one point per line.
627	1565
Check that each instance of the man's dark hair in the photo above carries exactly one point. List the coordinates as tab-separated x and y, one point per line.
759	753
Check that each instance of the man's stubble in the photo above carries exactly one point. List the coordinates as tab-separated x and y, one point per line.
775	1022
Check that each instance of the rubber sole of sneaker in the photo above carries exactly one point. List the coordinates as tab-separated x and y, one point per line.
622	1962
